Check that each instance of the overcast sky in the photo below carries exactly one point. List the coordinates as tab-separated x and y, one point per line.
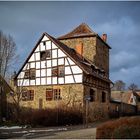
26	21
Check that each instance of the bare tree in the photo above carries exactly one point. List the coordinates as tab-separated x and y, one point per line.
119	85
7	52
133	87
17	94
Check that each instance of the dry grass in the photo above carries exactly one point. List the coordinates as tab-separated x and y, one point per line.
120	128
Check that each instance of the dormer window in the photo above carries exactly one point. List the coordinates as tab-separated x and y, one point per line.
45	54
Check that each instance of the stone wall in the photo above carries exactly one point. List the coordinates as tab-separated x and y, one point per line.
93	49
102	56
72	95
89	46
97	110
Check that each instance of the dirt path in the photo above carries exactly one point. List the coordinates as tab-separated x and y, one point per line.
86	133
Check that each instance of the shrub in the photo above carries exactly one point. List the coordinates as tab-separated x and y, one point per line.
127	132
111	128
51	117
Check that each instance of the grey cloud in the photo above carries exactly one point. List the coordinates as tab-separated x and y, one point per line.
122	60
26	21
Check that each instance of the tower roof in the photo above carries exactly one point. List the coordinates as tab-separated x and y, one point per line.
81	31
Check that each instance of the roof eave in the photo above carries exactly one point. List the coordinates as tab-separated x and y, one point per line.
72	37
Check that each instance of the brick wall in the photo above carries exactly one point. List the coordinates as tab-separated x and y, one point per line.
97	110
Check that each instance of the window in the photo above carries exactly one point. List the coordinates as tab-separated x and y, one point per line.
103	97
57	95
44	43
58	71
131	100
54	71
45	54
49	94
92	95
30	74
27	74
61	71
53	94
28	95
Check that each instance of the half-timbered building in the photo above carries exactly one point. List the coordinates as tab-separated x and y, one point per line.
66	70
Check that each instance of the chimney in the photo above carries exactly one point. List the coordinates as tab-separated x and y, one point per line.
104	37
79	48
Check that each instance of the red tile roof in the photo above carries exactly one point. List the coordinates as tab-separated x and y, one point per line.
81	31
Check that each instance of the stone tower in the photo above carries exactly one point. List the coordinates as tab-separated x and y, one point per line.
89	45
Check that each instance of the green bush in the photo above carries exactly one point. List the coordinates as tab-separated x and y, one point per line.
114	128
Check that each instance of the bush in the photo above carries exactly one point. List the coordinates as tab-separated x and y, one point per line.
51	117
114	128
127	132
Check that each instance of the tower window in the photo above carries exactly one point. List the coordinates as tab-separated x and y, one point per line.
92	95
103	97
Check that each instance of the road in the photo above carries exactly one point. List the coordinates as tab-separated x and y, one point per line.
63	132
88	133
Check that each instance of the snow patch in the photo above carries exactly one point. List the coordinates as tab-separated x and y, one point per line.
12	127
